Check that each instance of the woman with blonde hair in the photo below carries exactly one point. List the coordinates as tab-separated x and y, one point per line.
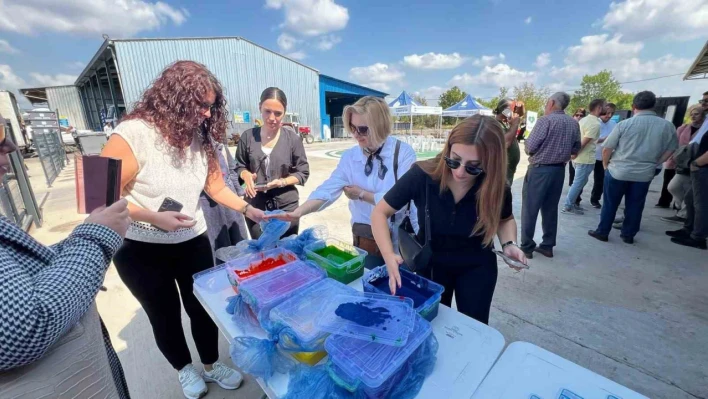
364	174
464	191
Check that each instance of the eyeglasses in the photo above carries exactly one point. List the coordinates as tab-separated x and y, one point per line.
702	101
360	130
471	170
579	115
208	106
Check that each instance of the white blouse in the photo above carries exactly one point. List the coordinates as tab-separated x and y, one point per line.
350	172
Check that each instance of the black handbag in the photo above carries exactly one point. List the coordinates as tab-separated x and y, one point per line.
415	256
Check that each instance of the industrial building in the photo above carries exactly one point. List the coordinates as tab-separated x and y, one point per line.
121	70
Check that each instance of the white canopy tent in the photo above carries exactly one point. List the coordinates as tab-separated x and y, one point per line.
404	105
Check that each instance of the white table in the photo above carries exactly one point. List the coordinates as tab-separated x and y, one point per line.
525	369
468	348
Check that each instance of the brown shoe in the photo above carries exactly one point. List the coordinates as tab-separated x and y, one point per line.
548	253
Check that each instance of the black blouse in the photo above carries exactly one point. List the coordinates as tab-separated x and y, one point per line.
451	223
286	159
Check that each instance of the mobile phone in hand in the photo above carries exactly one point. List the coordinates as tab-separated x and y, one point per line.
260	187
511	261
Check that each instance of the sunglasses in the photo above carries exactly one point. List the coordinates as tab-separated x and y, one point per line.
360	130
702	101
471	170
579	115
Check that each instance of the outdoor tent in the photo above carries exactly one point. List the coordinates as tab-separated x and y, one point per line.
404	105
467	107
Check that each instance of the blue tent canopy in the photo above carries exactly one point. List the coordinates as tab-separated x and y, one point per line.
402	100
467	107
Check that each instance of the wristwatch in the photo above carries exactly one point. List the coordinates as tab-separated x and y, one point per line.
506	244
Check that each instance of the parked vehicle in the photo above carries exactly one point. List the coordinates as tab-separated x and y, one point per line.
305	132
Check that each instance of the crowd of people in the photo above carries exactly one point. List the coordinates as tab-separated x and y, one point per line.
186	196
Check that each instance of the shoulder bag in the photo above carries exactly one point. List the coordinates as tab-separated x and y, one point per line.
415	256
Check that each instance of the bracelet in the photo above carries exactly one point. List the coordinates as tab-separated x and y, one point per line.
245	208
506	244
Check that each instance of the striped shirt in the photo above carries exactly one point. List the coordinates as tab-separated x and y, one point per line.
554	138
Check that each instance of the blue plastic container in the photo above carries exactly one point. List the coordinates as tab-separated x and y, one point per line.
424	293
372	367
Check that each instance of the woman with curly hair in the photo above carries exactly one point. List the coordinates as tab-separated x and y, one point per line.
166	144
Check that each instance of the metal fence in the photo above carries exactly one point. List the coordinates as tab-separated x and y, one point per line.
338	131
17	200
46	137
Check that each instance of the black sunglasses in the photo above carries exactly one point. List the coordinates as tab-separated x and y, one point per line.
702	101
471	170
360	130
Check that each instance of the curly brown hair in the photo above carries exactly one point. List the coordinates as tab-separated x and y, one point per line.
175	103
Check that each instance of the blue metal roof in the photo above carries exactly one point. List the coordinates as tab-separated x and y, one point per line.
328	83
402	100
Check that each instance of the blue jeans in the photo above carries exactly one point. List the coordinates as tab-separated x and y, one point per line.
636	196
582	173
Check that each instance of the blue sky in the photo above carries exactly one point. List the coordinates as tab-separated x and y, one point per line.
423	47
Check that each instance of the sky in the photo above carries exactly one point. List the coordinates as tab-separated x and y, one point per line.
423	47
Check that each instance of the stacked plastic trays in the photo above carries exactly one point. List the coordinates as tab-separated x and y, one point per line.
243	268
424	293
294	320
343	262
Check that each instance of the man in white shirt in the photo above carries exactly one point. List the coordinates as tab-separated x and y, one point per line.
606	126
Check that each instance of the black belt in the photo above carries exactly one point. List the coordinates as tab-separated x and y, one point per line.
538	165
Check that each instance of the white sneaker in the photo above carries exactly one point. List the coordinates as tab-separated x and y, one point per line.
193	385
223	375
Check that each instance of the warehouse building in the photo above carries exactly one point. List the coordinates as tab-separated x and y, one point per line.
121	70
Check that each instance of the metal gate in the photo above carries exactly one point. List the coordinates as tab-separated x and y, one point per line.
338	131
46	137
17	200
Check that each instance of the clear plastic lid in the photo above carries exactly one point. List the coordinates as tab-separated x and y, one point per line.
272	287
370	317
373	363
297	314
245	267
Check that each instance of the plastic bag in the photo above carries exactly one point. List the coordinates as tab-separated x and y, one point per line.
241	312
297	243
271	229
315	383
420	365
260	357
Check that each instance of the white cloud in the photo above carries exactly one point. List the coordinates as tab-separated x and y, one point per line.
5	47
598	48
528	20
327	42
434	61
543	60
488	59
311	17
286	42
60	79
297	55
87	17
496	76
667	19
378	76
8	79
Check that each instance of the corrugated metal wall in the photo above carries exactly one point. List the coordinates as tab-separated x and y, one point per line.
10	110
243	68
66	99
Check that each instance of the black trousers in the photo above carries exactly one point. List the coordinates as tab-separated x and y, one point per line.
473	285
152	273
543	186
598	183
666	197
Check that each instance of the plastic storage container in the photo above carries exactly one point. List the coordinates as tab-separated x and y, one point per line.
424	293
295	320
248	266
213	280
369	317
343	262
266	290
378	367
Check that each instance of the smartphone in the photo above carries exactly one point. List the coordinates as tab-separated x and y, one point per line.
507	113
170	205
261	186
511	261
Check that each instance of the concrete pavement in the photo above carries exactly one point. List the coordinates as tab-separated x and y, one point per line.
637	314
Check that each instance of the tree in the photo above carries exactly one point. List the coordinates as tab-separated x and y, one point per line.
601	85
429	121
450	98
534	98
492	102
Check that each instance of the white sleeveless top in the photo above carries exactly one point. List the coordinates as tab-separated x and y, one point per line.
161	174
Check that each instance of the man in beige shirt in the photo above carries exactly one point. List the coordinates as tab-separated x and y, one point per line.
584	162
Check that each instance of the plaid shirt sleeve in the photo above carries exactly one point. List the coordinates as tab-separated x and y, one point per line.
537	136
39	308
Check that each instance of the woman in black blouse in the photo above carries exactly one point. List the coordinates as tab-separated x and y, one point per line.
470	203
271	160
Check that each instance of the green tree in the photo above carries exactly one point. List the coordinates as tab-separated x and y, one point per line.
534	98
448	99
491	103
601	85
429	121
